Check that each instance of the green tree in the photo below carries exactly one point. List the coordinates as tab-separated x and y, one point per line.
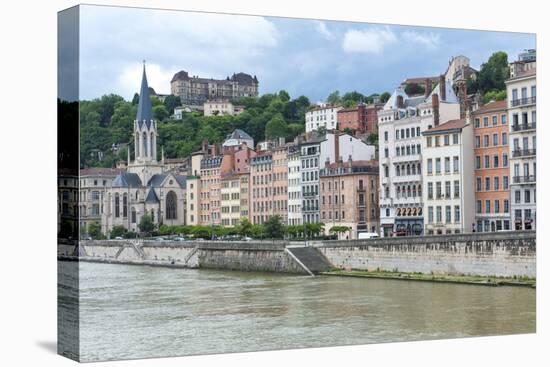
276	127
334	98
118	231
274	228
493	73
284	96
372	139
146	224
171	102
339	229
160	113
384	97
257	231
494	95
94	230
135	99
245	227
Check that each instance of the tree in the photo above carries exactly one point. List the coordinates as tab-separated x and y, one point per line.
339	229
276	127
118	231
160	113
245	227
384	97
135	100
171	102
372	139
494	95
414	89
284	96
313	229
273	227
334	98
94	230
493	73
257	231
146	224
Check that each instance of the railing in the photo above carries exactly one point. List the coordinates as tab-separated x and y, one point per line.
523	101
520	127
309	193
524	179
361	188
524	152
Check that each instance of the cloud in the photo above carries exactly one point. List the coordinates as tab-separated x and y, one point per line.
321	27
429	40
372	40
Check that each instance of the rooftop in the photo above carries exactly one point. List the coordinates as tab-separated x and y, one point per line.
492	106
457	124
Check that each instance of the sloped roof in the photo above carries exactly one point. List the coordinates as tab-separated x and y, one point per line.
182	180
126	179
243	78
144	111
456	124
156	180
180	75
152	196
492	106
450	95
239	134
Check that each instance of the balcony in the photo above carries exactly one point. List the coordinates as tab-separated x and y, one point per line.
406	178
524	153
523	127
524	179
308	194
523	101
361	188
406	158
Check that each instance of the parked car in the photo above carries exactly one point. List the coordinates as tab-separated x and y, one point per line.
118	238
247	239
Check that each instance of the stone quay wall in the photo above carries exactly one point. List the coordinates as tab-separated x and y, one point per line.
505	254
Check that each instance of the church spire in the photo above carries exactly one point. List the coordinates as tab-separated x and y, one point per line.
144	111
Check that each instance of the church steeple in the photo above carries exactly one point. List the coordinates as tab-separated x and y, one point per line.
145	128
144	111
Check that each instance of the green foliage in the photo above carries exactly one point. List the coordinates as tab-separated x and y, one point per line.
146	224
339	229
372	139
257	231
334	98
274	227
384	97
414	89
276	127
245	227
171	102
493	73
94	230
495	95
118	231
160	113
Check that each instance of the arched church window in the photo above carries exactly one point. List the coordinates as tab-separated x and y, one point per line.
145	145
152	144
117	205
125	206
134	219
171	205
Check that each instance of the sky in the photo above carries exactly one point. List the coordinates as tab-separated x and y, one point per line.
304	57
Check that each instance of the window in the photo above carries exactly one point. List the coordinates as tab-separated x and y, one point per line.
438	190
447	165
504	160
448	189
455	138
171	206
448	214
487	162
457	188
430	214
430	190
385	136
437	165
133	215
485	140
125	205
485	121
506	206
438	214
478	141
455	164
478	183
487	183
457	213
495	120
430	166
497	206
437	141
496	183
495	161
478	162
476	122
446	139
504	139
517	196
478	207
117	205
429	141
495	140
527	196
505	182
487	206
503	119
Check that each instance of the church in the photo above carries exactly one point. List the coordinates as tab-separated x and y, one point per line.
147	187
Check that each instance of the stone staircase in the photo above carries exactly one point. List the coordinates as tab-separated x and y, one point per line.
310	258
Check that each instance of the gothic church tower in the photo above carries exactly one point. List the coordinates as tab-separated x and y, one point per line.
145	162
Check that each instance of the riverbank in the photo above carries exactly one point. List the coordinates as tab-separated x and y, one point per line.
436	278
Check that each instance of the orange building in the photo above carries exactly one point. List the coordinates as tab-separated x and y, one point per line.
492	191
362	119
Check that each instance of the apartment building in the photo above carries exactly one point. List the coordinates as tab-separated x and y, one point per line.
322	117
361	119
491	167
522	117
349	196
193	193
209	211
338	146
448	198
280	181
261	197
310	163
401	123
294	185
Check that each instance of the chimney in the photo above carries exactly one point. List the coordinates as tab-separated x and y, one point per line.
435	108
442	88
428	87
400	103
336	146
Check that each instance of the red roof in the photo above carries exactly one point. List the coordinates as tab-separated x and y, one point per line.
449	125
491	106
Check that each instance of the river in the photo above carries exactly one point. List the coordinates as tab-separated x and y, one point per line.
131	312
